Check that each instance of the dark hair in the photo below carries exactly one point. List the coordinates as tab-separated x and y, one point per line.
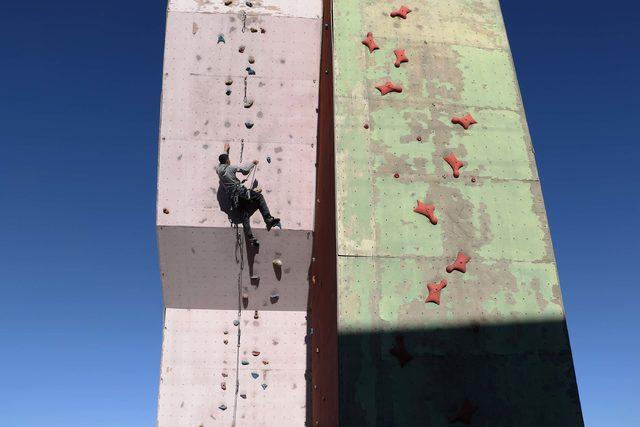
223	158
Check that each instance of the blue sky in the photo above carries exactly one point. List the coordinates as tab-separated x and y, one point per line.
81	309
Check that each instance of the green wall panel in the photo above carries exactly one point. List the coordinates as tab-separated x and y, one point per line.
498	338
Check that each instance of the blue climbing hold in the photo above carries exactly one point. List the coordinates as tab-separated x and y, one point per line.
254	375
223	407
245	362
250	71
221	39
268	159
236	322
264	386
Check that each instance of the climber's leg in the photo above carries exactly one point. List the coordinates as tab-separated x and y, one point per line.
258	202
246	210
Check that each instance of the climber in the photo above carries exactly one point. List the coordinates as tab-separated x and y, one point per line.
245	200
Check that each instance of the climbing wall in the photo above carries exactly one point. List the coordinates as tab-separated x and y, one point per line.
235	329
449	306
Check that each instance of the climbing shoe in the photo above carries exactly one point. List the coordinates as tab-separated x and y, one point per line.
272	222
253	242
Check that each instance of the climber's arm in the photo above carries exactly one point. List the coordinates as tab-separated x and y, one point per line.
247	167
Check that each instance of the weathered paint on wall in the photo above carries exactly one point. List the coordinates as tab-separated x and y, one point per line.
498	338
216	315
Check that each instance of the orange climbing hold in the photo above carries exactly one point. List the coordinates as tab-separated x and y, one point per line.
427	210
400	57
454	163
459	264
370	42
434	291
389	87
465	121
400	351
402	12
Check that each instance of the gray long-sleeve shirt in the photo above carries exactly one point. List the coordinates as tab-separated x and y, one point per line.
227	175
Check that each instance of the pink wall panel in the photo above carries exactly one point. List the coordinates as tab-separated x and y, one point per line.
199	269
195	360
294	8
197	246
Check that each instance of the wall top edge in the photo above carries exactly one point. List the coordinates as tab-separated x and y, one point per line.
286	8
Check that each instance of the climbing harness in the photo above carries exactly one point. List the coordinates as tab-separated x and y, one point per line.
241	190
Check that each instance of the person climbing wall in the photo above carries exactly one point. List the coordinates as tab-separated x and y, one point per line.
245	200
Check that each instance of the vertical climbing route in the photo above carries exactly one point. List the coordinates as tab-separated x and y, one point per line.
235	333
437	92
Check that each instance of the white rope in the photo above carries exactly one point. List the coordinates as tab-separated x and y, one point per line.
239	254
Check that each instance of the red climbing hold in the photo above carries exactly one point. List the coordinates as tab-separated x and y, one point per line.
427	210
459	264
389	87
400	351
465	121
366	125
400	57
465	413
402	12
396	175
370	42
454	163
434	291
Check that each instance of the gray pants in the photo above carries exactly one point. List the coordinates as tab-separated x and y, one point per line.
248	207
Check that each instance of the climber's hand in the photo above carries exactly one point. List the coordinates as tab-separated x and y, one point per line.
255	162
227	147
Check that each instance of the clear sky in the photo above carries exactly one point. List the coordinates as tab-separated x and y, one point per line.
80	302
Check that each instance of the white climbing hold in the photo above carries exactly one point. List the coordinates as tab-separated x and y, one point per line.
277	262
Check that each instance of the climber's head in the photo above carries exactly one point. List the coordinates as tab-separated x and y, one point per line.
224	159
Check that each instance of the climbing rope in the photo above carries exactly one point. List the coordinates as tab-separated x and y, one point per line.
245	90
239	256
239	253
244	20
